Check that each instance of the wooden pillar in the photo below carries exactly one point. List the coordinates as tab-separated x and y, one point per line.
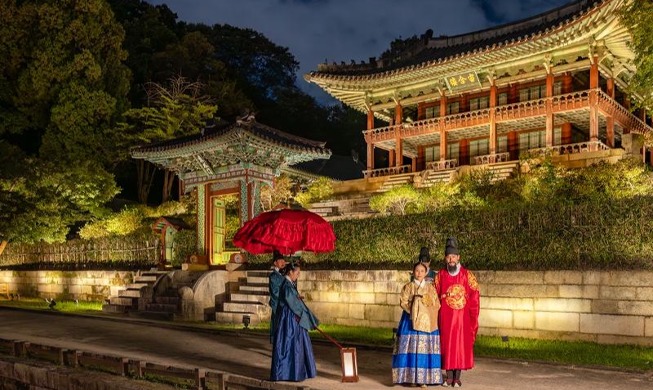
609	130
399	114
421	161
443	133
594	98
549	110
443	105
610	87
513	93
413	164
565	133
370	156
513	145
399	149
493	123
567	83
370	120
391	158
370	145
463	153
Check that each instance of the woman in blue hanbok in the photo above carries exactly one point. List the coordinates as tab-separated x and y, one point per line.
416	354
292	352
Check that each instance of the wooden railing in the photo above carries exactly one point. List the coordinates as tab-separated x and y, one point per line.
441	165
387	171
492	158
580	147
509	112
622	115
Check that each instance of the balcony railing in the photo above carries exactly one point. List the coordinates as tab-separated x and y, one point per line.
387	171
492	158
622	115
441	165
581	147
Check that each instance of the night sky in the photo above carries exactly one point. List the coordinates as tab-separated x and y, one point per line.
342	30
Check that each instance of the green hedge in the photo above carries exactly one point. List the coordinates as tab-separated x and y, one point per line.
511	237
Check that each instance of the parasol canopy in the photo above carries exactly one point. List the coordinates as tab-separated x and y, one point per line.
287	231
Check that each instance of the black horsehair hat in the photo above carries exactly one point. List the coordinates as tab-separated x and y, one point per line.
424	256
451	247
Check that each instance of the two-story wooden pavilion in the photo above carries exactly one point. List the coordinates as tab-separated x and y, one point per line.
553	82
236	159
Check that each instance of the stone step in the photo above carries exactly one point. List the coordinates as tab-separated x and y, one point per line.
153	273
254	289
153	315
161	307
122	301
240	297
130	293
145	279
137	286
111	308
246	307
258	279
237	318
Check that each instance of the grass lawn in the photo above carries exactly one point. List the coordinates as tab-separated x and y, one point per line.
577	353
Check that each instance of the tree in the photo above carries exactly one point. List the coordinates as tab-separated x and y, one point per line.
637	15
62	87
177	109
399	200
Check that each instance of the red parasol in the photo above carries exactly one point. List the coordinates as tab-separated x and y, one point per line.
287	231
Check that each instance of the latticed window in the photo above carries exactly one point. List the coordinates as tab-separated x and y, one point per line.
479	147
479	103
432	153
453	108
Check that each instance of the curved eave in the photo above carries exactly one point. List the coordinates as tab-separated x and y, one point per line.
237	135
593	24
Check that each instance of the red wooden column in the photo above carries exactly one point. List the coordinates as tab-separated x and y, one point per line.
565	133
443	133
549	109
513	145
464	152
370	145
594	112
399	152
493	122
609	120
421	160
567	83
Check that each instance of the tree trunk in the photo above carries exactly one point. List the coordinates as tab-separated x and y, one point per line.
168	181
145	173
3	245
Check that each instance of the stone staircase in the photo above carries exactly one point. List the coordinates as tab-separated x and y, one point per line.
137	295
165	303
503	170
430	177
396	181
251	299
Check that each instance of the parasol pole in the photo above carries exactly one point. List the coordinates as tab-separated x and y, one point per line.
330	338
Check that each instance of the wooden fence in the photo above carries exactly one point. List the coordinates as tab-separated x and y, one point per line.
79	252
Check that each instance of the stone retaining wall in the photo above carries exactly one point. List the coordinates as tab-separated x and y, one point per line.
604	307
67	285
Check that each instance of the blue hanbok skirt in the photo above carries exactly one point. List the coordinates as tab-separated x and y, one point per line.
416	355
292	352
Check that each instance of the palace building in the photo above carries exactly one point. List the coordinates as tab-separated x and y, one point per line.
554	83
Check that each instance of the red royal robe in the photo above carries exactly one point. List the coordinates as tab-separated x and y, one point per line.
458	320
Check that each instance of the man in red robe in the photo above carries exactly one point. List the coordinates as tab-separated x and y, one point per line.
460	303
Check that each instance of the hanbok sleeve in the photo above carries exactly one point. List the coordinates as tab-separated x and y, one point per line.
306	319
406	298
473	303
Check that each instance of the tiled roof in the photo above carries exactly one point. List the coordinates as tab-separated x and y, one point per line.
444	47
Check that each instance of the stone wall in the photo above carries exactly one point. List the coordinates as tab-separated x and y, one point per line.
604	307
67	285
